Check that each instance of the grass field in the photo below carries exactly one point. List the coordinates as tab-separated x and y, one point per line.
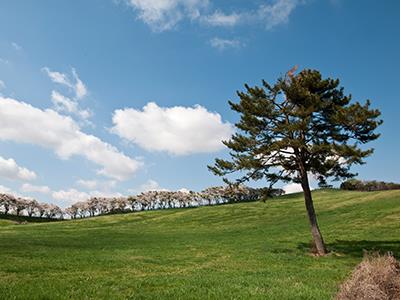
240	251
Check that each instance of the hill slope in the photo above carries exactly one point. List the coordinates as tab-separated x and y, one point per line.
240	251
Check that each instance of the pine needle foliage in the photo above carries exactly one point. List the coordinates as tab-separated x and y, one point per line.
301	125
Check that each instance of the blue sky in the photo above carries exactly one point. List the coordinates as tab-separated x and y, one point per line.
116	97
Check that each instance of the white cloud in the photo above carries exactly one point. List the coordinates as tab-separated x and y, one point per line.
223	44
152	185
77	86
177	130
219	18
149	185
30	188
62	197
163	15
88	184
62	103
85	114
9	169
296	187
278	13
6	190
97	184
106	194
16	46
22	123
292	188
2	85
65	104
58	77
69	197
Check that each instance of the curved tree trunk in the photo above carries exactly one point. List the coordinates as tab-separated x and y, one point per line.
315	232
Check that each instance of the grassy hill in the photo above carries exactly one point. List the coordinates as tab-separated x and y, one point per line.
239	251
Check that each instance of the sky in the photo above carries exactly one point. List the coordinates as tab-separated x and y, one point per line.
116	97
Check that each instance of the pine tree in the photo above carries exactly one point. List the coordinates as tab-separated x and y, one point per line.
302	125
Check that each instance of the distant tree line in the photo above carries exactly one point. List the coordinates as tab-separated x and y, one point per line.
28	207
368	186
152	200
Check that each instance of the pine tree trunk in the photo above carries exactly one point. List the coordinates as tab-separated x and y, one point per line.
315	232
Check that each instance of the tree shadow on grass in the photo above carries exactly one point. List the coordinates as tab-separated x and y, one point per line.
357	248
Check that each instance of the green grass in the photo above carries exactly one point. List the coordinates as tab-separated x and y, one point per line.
240	251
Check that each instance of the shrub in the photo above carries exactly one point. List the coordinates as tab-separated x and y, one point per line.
375	278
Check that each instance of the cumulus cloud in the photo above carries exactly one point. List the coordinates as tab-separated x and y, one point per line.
163	15
22	123
223	44
30	188
177	130
9	169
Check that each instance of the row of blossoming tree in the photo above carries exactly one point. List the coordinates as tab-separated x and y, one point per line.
152	200
28	207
